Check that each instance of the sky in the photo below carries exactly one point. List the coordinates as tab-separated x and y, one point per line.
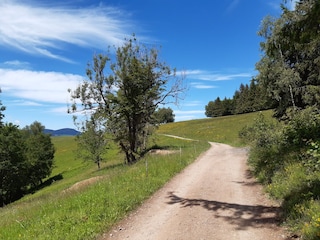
45	47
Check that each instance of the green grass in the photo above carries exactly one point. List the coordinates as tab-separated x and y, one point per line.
53	213
84	214
220	129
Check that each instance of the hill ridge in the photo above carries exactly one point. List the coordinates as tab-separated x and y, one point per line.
62	132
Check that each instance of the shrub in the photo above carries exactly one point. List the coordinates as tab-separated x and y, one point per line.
264	138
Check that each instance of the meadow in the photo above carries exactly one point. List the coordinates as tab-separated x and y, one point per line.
61	211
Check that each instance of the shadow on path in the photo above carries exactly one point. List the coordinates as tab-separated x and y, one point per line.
242	216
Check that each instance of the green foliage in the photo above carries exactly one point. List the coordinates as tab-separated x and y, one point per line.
26	157
312	160
39	152
92	142
163	115
304	126
249	98
286	158
289	69
219	108
13	164
264	138
128	94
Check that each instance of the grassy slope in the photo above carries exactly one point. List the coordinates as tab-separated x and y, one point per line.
220	129
82	214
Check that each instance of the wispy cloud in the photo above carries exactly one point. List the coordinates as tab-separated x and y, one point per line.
37	86
15	64
191	103
41	30
201	85
232	5
24	103
213	76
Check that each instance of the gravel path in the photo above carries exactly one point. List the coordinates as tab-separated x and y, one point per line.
213	198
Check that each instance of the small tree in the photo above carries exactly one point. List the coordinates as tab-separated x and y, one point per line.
128	94
92	142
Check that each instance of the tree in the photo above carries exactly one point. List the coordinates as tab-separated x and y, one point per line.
13	164
128	94
289	69
164	115
214	108
2	108
228	106
219	107
39	152
92	142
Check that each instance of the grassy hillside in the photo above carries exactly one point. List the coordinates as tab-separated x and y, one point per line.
220	129
58	212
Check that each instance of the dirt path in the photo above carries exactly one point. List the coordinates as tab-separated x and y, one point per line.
213	198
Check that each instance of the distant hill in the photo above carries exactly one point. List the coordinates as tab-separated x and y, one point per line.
62	132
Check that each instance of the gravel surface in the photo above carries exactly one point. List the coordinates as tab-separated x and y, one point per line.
213	198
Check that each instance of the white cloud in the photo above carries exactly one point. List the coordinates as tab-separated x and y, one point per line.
192	103
201	86
38	86
212	76
40	30
189	112
188	115
16	64
25	103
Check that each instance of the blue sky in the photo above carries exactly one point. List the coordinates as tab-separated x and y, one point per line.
45	46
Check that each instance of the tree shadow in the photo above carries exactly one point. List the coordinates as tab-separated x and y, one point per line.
250	180
242	216
46	183
109	167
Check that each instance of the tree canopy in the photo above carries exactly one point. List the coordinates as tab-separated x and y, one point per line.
290	67
164	115
26	157
249	98
127	92
13	164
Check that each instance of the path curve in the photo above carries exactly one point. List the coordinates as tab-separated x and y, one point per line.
213	198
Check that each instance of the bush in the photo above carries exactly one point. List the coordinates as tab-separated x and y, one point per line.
264	138
287	158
